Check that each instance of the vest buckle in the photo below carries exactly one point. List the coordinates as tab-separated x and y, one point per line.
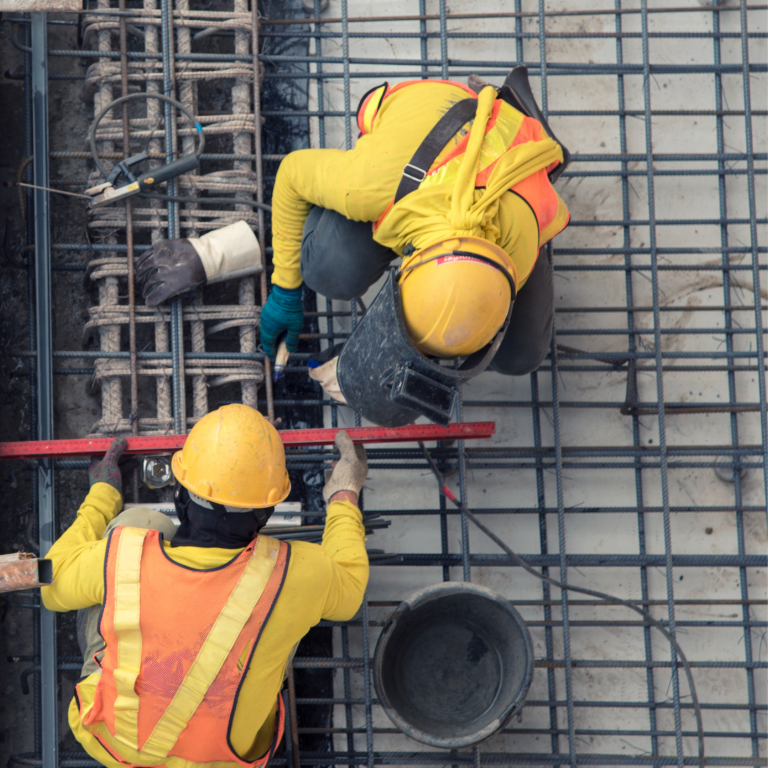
418	170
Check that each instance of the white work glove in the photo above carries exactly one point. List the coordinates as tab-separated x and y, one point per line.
232	251
350	473
171	267
326	375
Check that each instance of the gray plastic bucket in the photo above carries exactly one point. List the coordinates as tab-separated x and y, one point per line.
453	664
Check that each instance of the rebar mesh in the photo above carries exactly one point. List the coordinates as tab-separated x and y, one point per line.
604	471
634	461
155	69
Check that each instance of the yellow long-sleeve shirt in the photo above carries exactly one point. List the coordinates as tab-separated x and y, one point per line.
360	183
324	581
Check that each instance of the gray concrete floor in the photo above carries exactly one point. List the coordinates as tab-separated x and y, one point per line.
599	199
583	422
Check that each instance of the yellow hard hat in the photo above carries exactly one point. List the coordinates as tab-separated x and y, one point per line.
235	457
453	302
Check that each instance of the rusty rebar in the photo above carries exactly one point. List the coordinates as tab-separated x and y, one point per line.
505	15
293	711
260	192
134	416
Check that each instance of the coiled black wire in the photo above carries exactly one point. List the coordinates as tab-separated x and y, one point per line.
112	104
198	151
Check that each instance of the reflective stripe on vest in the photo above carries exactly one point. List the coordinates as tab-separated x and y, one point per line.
160	677
369	107
506	128
371	102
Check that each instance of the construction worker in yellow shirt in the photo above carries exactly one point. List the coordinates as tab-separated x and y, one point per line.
186	633
454	179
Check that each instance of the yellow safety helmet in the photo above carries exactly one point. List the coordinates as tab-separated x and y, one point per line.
235	457
453	302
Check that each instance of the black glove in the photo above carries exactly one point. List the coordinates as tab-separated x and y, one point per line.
168	268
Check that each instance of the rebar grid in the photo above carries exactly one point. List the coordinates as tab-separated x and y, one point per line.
169	36
675	301
603	472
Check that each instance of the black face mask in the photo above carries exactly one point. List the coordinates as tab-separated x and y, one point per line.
202	527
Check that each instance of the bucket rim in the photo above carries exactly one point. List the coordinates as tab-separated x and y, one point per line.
419	599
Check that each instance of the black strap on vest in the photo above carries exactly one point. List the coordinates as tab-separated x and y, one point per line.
447	127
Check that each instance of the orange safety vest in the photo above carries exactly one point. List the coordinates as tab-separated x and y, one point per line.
179	642
506	128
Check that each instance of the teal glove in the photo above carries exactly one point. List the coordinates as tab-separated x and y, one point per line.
283	313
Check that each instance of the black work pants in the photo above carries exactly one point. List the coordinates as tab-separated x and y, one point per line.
341	260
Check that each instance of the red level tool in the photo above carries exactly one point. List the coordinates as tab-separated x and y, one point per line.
71	449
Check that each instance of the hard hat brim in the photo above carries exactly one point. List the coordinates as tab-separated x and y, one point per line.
203	489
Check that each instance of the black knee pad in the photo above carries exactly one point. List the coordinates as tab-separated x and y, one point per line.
521	363
332	283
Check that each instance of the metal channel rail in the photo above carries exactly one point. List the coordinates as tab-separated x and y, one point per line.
654	385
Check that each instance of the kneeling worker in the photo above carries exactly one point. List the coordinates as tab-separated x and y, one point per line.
456	180
186	633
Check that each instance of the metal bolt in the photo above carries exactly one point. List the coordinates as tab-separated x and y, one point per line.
725	469
156	472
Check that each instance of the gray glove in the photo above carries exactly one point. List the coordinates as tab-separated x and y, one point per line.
350	473
107	469
171	267
167	269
